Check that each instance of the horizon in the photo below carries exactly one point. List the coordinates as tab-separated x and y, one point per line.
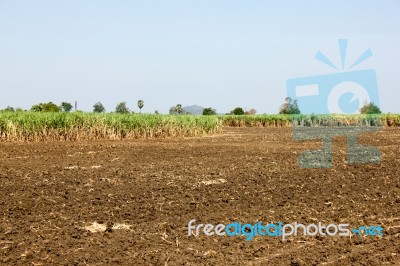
185	108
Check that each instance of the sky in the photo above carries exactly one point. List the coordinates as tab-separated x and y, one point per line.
213	53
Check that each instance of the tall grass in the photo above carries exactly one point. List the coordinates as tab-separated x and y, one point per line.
385	120
31	126
256	120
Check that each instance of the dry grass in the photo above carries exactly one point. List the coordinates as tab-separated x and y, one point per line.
31	126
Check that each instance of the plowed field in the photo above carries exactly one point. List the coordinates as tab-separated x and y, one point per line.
129	202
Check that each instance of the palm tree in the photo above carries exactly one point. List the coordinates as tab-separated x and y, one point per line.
140	104
179	108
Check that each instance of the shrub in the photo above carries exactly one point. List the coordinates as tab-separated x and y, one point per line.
209	111
237	111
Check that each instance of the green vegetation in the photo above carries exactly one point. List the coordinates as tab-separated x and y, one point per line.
237	111
66	107
45	107
209	111
98	108
9	109
176	110
47	125
140	104
289	107
121	108
283	120
370	108
60	126
255	120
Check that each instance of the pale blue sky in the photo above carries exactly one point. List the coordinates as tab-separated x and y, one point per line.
219	53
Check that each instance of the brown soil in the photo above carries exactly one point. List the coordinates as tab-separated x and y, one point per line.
142	193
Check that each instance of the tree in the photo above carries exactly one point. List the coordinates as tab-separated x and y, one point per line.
66	107
178	109
36	108
251	112
9	109
209	111
140	104
50	107
98	108
45	107
289	107
237	111
121	108
370	108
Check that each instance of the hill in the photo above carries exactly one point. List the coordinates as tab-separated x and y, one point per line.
194	109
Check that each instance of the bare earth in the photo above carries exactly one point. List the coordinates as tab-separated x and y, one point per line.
129	202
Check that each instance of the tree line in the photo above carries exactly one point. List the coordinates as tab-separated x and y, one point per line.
67	107
288	107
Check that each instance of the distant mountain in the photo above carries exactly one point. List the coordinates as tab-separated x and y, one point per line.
194	109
